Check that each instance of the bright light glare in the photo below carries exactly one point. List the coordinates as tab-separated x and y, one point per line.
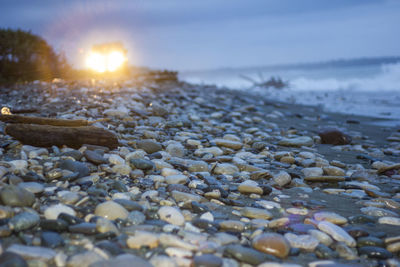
105	62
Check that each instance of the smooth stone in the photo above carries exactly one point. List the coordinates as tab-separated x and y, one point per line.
67	197
175	150
171	215
247	255
255	213
54	225
345	252
370	241
306	242
6	212
83	228
378	212
250	187
75	166
122	169
232	225
116	159
11	259
52	212
282	178
334	137
375	252
162	261
84	259
330	217
51	239
389	220
337	233
324	252
23	221
325	179
197	166
312	171
176	179
271	243
142	164
148	145
111	210
228	143
19	164
321	236
296	142
129	205
186	197
94	157
14	196
32	187
225	168
333	171
75	154
207	260
215	151
124	260
30	252
394	247
104	225
142	239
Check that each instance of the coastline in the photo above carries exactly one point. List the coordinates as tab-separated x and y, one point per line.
212	141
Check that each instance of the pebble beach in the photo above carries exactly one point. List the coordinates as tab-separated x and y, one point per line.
202	176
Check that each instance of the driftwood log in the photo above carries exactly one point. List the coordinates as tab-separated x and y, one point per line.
48	135
44	121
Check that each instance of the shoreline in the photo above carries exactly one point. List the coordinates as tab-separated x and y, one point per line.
202	175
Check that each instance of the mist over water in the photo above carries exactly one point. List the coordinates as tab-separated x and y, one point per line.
371	90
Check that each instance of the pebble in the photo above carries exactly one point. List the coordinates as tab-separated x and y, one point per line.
232	225
84	259
296	142
94	157
141	239
336	233
321	236
378	212
176	179
225	168
330	217
124	260
111	210
52	212
312	171
32	187
207	260
11	259
334	137
148	145
171	215
306	242
51	239
247	255
32	252
250	187
175	150
256	213
15	196
228	143
142	164
389	220
282	178
75	166
273	244
24	220
375	252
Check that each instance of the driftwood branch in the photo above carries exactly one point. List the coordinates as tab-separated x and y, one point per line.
75	137
45	121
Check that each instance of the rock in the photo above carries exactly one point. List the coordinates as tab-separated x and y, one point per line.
10	259
14	196
176	179
83	228
51	239
256	213
247	255
207	260
142	239
120	112
345	252
337	233
111	210
30	252
312	171
232	225
296	142
375	252
162	261
175	150
122	169
52	212
370	241
321	236
228	143
282	178
18	165
148	145
186	197
23	221
171	215
306	242
104	225
389	220
330	217
142	164
75	166
334	137
273	244
84	259
250	187
94	157
197	166
124	260
333	171
378	212
215	151
32	187
225	168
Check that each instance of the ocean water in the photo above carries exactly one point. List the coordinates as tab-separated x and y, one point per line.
366	89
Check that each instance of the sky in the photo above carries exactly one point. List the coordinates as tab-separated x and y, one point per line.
210	34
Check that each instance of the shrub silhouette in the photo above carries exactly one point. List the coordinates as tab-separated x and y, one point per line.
27	57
